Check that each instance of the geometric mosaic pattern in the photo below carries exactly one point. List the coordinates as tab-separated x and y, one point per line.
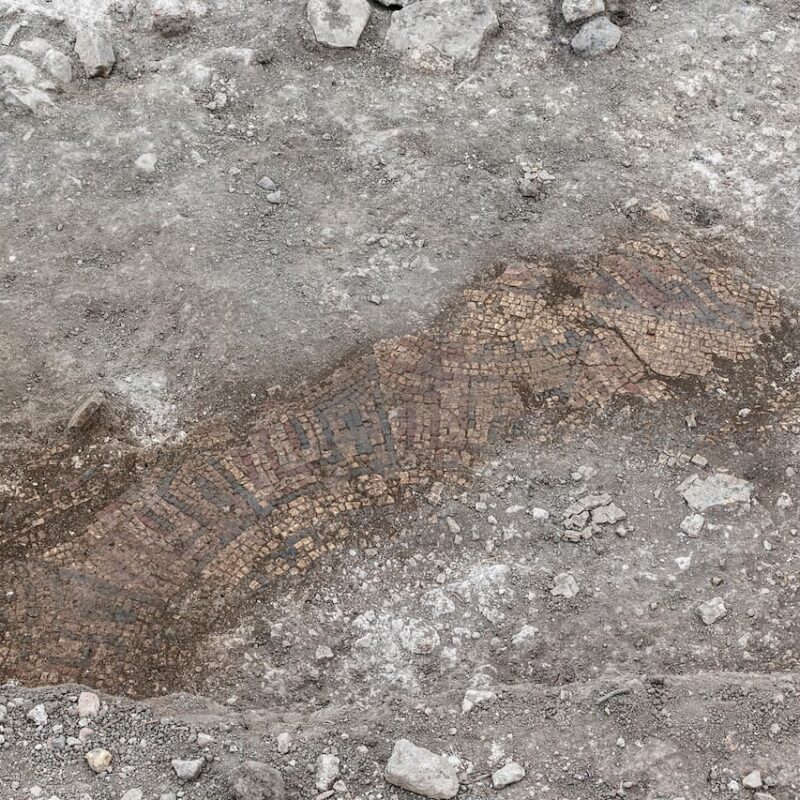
163	564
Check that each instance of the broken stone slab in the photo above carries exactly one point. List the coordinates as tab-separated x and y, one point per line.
505	776
608	515
95	51
420	771
442	33
596	37
588	503
338	23
576	536
577	522
573	10
712	610
719	489
85	412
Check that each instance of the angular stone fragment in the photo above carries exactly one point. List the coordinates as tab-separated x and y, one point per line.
577	522
442	33
146	164
752	780
327	771
255	780
596	37
574	10
173	17
564	585
421	771
693	524
338	23
588	503
712	610
96	52
57	66
477	697
608	515
98	759
88	705
719	489
38	714
85	412
505	776
188	769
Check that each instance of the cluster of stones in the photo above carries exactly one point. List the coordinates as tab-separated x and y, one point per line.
584	517
39	70
597	34
155	569
432	33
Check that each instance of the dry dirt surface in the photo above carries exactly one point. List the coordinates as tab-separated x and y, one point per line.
379	376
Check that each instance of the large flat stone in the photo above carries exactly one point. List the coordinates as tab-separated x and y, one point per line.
719	489
421	771
442	33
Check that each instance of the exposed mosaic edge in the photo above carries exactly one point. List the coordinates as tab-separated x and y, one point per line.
156	567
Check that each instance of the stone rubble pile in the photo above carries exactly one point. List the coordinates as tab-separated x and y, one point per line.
585	516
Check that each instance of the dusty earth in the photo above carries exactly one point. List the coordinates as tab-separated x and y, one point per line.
185	296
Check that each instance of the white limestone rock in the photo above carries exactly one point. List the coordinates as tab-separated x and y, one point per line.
338	23
420	771
596	37
573	10
441	34
93	47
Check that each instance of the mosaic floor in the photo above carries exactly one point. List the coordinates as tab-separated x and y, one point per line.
156	568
